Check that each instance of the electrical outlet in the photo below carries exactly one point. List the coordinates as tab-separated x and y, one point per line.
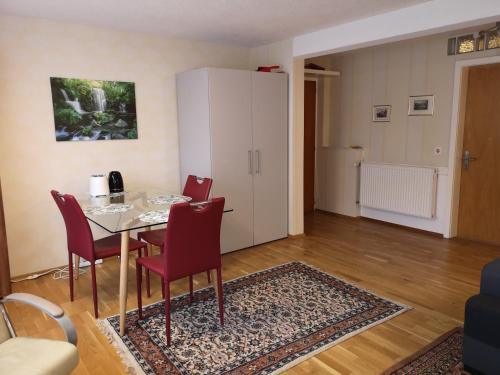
438	150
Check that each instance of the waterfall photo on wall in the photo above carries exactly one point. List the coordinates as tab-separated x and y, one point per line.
88	110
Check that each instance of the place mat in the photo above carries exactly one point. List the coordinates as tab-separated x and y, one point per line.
157	216
169	199
112	208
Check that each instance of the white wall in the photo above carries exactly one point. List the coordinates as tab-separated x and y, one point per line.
32	162
388	75
422	19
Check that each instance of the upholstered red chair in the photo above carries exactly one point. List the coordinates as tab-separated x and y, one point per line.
198	189
191	246
81	242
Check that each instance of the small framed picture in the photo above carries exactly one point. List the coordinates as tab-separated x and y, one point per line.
421	105
381	113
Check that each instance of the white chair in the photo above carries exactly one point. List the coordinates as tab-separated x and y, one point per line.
29	356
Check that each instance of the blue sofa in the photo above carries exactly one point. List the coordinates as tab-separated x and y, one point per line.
482	324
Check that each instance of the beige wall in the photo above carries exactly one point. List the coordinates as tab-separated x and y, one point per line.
388	74
32	162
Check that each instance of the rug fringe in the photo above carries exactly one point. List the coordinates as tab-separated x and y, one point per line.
131	365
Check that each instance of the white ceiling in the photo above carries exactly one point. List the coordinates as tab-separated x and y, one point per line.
240	22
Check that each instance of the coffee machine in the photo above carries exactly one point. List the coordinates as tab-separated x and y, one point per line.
115	181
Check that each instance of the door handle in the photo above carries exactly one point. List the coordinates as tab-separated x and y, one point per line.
250	162
257	154
467	158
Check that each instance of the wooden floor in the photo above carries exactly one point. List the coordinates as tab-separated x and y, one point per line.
433	275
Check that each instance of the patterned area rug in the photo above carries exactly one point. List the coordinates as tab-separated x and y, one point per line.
274	319
443	356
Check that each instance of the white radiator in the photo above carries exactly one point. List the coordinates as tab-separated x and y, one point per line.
399	188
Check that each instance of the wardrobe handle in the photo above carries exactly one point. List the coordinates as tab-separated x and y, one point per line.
257	170
250	162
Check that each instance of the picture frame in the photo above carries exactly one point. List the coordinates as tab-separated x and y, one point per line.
91	110
422	105
381	113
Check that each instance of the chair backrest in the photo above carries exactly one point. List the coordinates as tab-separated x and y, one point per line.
192	238
79	235
5	333
197	188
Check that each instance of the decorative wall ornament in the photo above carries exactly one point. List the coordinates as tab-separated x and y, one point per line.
88	110
381	113
478	41
421	105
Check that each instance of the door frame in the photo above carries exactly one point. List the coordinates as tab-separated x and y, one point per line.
314	79
456	139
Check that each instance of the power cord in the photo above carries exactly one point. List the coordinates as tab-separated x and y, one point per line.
58	273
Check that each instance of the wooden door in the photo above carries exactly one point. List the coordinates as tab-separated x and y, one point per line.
479	205
4	256
309	143
270	144
231	153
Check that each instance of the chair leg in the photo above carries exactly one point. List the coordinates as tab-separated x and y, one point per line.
220	296
167	311
138	272
162	288
190	288
148	282
70	269
208	277
94	288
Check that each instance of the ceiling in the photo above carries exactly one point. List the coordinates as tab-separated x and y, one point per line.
240	22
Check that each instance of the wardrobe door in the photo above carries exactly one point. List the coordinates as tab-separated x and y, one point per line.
270	141
231	150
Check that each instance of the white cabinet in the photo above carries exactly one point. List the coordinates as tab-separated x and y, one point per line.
233	128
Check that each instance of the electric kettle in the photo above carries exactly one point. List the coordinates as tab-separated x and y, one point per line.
115	182
98	185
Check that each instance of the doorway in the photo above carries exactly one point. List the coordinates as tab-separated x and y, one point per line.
309	144
479	198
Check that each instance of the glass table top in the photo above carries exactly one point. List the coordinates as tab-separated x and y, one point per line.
131	210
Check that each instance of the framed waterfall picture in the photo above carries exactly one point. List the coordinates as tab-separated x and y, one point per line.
89	110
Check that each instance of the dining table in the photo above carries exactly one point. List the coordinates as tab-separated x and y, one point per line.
121	213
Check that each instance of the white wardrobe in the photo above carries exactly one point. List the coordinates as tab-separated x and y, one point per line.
233	128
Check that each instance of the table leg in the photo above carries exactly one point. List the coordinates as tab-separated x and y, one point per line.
148	253
215	279
123	280
77	266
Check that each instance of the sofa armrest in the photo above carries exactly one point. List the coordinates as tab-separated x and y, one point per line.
490	279
49	308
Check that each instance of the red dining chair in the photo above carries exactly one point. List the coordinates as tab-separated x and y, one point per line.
81	242
198	189
192	245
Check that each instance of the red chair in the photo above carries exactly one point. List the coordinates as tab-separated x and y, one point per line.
198	190
81	241
192	245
